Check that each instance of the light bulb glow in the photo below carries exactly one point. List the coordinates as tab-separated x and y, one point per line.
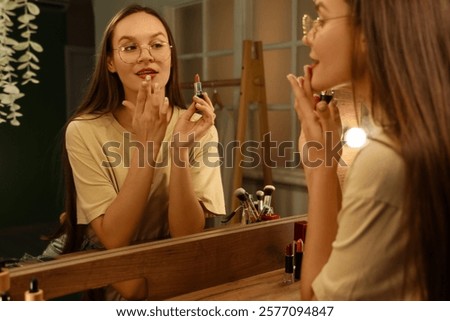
355	137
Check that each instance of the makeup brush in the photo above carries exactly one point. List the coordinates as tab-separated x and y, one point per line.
243	196
268	191
260	198
232	214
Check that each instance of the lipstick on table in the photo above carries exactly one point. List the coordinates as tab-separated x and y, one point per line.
298	259
198	86
300	230
289	265
34	293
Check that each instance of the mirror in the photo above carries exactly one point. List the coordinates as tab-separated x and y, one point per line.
171	267
31	187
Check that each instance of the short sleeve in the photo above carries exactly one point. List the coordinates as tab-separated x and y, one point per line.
95	191
206	177
368	255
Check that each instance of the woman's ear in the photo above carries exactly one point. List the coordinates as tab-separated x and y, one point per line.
110	63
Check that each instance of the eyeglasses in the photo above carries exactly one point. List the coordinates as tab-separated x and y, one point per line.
310	24
130	53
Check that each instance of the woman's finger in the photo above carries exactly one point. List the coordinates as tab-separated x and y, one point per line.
304	98
156	99
299	94
307	82
142	96
207	99
329	119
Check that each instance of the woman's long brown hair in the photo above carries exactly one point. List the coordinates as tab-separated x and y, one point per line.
408	59
104	95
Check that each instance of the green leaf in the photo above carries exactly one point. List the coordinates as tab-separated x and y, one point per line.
23	66
11	5
33	56
11	89
34	66
15	122
26	18
34	9
26	34
29	74
34	81
37	47
14	107
21	46
7	99
4	99
10	41
24	57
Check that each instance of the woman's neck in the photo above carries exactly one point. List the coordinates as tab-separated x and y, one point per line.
124	116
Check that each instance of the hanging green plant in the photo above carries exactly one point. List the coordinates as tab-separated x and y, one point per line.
16	56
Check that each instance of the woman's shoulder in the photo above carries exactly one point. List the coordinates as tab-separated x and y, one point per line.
90	121
380	152
377	171
91	127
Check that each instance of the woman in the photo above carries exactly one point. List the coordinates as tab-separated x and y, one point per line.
387	236
138	166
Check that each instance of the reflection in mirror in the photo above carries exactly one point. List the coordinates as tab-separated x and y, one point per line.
171	267
31	191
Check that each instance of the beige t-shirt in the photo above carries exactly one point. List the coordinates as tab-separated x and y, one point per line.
99	150
368	256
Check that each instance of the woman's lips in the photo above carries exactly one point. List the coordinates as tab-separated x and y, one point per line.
144	73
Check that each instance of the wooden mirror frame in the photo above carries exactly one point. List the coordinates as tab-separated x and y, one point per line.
171	267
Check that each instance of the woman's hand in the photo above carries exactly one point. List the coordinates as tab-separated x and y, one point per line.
149	114
320	148
187	131
320	139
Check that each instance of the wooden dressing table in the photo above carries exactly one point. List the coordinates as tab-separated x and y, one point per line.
263	287
231	263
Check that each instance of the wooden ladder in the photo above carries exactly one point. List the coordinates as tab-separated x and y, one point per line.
253	90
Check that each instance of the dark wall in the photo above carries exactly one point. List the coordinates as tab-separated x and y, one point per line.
29	161
30	181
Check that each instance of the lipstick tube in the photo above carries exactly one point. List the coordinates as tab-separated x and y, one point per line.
300	230
34	293
288	265
298	259
198	86
326	95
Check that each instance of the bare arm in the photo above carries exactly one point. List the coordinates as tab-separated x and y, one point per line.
186	215
320	133
117	226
